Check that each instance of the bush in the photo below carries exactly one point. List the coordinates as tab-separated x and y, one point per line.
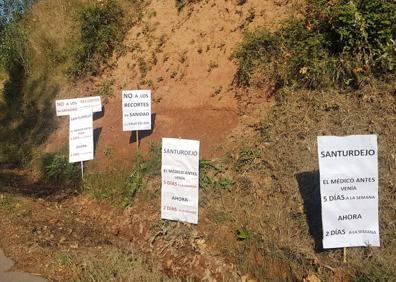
14	154
101	30
13	48
341	43
56	169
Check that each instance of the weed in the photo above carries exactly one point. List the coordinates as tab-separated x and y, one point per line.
56	169
217	90
108	150
248	159
65	259
104	89
160	44
142	67
244	183
242	234
173	74
205	168
119	187
212	65
225	183
106	186
221	217
11	205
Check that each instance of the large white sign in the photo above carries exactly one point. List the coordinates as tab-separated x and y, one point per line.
81	147
349	190
180	180
69	106
136	110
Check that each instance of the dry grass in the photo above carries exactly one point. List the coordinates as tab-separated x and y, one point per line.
107	264
291	219
275	196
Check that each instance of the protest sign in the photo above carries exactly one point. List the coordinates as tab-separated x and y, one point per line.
180	180
81	147
69	106
136	110
349	190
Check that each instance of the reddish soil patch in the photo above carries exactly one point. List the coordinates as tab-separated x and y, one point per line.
185	59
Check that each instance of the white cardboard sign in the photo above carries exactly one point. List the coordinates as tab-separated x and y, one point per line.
69	106
349	190
180	180
136	110
81	147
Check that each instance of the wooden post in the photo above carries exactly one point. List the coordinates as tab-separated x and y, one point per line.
137	139
82	170
345	255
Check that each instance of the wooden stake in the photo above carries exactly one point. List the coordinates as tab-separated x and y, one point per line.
82	170
137	139
345	255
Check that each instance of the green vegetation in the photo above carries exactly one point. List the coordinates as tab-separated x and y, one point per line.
105	89
101	31
242	234
38	48
120	187
12	206
342	43
56	169
212	176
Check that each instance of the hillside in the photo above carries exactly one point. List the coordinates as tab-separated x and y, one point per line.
255	81
185	59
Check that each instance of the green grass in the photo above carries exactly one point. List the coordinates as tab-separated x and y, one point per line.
13	206
120	187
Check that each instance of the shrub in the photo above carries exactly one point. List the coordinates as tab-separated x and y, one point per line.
342	43
13	48
14	154
101	30
56	169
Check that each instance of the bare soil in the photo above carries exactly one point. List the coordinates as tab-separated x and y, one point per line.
185	58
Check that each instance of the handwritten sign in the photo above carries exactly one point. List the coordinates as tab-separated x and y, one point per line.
180	180
81	147
69	106
349	190
136	110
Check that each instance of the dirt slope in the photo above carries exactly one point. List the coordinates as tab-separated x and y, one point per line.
185	58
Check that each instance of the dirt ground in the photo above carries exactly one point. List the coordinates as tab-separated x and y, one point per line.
38	224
